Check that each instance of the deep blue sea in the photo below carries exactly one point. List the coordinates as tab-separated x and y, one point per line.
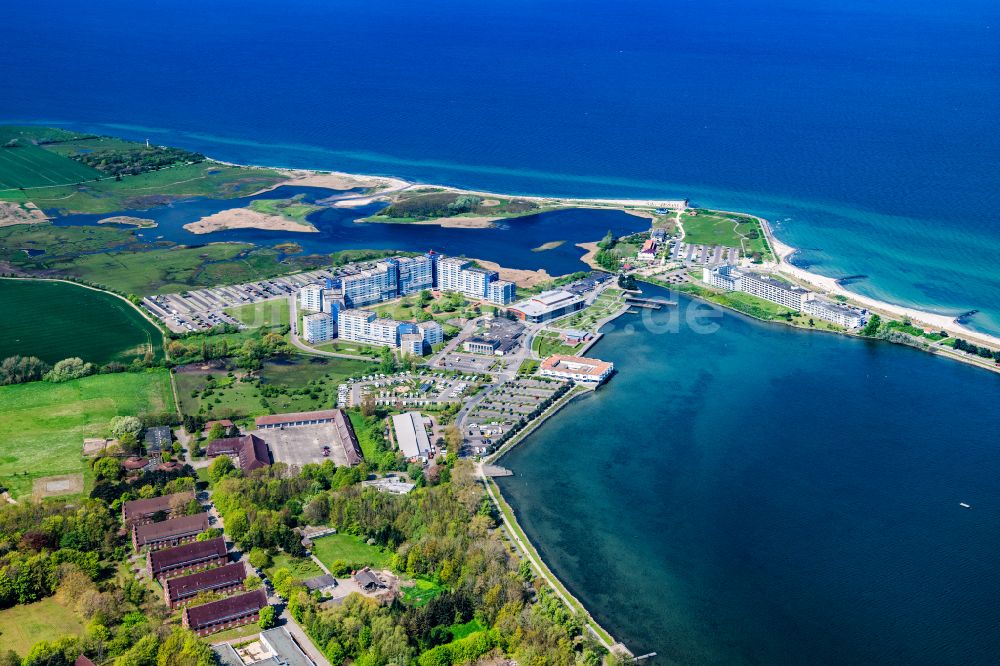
866	130
769	495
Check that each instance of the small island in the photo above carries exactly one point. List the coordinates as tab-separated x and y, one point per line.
140	222
267	214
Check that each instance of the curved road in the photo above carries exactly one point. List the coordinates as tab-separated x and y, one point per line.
293	336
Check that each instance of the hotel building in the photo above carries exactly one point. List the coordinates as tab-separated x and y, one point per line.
763	286
459	275
843	315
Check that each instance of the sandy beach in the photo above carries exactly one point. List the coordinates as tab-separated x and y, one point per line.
830	286
591	249
244	218
520	277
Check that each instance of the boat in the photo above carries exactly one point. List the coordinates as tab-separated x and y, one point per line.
964	505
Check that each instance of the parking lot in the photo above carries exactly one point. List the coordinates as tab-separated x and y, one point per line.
504	406
201	309
703	254
409	389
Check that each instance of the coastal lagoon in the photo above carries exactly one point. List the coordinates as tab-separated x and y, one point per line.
876	153
762	494
509	242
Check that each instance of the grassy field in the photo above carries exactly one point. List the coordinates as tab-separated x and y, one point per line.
265	313
207	179
302	568
57	320
293	209
24	625
547	343
352	550
43	424
30	166
712	228
369	435
307	382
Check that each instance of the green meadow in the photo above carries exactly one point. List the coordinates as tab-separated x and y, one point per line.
30	166
57	320
350	549
24	625
44	425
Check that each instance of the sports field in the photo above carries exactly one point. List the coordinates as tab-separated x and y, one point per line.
31	166
57	320
43	424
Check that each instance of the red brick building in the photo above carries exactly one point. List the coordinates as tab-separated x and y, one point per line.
250	451
221	580
141	511
225	613
169	533
187	558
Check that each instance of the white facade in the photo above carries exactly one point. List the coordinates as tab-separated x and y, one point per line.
844	315
762	286
411	344
460	275
365	326
372	285
415	274
311	297
431	331
411	435
319	327
576	368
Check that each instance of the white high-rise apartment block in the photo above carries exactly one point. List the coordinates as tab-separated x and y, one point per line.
372	285
459	275
311	297
414	274
763	286
365	326
319	327
431	332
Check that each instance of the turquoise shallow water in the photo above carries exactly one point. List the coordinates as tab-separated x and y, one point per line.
761	494
867	129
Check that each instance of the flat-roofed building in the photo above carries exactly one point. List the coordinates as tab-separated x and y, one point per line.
345	437
576	368
277	648
311	297
414	273
167	533
370	285
249	451
431	331
226	613
189	557
411	435
141	511
762	286
319	327
220	580
548	305
460	275
838	313
367	327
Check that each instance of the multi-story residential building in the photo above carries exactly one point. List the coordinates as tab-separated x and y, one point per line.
366	326
319	327
838	313
762	286
189	557
142	511
311	297
225	613
431	331
371	285
220	580
414	273
411	344
167	533
459	275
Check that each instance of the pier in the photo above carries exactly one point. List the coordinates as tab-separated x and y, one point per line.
648	303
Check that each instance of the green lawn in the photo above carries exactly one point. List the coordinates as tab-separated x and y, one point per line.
302	568
30	166
75	321
369	434
547	343
293	209
43	424
24	625
729	230
423	591
352	550
265	313
459	631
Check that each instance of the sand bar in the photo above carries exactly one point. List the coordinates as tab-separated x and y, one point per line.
244	218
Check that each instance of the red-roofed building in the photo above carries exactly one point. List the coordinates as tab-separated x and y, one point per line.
249	451
296	419
193	556
140	511
169	533
221	580
225	613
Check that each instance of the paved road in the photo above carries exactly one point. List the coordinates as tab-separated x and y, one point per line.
293	336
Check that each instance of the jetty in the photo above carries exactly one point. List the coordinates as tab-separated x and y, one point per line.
494	471
648	303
